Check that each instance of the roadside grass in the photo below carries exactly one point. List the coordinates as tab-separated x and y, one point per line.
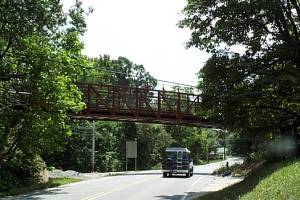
53	182
239	170
274	181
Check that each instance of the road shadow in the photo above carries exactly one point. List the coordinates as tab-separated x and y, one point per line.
202	174
157	174
140	173
186	196
184	176
35	195
176	176
161	175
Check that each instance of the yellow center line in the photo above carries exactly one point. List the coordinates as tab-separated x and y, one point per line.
101	194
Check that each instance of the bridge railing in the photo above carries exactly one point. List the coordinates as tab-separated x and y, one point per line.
116	100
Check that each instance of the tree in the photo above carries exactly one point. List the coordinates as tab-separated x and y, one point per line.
40	57
258	90
120	71
152	141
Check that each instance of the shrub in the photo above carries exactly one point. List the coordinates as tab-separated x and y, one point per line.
19	171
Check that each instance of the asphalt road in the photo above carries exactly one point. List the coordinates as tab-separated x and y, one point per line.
146	185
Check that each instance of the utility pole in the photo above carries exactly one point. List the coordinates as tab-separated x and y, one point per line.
93	146
87	131
224	145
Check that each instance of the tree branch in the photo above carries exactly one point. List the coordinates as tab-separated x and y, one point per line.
281	21
289	16
6	49
12	152
264	26
12	76
9	152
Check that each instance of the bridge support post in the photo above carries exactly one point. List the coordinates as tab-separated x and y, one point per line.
178	112
159	104
113	100
137	108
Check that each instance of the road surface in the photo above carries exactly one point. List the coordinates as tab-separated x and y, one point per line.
146	185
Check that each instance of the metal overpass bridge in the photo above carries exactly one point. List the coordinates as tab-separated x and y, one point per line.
131	104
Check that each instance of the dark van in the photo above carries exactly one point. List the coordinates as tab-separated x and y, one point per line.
177	161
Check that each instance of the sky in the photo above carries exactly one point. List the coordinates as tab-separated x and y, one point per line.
145	32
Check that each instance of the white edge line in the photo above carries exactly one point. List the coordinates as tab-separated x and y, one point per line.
197	181
185	196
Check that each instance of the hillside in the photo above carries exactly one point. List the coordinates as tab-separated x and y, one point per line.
273	181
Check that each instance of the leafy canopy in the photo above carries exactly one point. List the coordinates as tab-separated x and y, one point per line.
258	89
40	57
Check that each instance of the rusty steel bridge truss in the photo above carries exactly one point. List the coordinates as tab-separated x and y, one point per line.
122	103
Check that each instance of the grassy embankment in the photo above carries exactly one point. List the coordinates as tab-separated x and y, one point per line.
53	182
271	181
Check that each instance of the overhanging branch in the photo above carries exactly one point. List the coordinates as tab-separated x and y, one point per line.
7	48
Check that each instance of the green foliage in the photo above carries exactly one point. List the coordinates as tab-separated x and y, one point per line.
21	170
118	72
107	147
255	103
198	144
254	92
259	90
40	57
152	141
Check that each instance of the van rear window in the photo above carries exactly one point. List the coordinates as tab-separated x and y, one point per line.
173	155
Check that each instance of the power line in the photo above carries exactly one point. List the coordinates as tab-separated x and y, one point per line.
101	69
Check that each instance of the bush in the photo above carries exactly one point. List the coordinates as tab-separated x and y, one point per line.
7	180
19	171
